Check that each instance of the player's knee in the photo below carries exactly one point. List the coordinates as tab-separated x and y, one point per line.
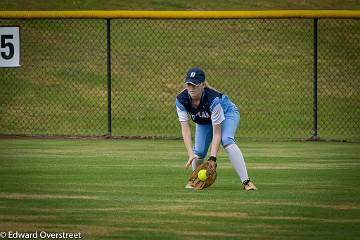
201	154
227	140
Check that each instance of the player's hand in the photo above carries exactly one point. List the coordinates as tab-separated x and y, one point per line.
191	159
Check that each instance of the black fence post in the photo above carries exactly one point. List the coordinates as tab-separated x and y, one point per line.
315	136
108	41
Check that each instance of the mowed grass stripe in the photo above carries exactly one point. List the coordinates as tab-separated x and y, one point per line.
135	190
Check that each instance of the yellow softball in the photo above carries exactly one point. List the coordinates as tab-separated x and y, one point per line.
202	175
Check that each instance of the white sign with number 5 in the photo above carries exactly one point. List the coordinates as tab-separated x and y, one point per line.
9	47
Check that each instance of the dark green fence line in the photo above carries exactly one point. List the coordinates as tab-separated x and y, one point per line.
266	66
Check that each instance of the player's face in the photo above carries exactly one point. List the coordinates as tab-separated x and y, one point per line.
195	91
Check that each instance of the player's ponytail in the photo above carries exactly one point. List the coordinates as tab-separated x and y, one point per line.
207	85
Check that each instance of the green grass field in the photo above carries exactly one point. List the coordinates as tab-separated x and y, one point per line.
135	190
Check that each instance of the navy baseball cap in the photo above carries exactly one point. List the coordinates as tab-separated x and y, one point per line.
195	76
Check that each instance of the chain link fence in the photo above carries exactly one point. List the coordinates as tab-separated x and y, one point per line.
265	66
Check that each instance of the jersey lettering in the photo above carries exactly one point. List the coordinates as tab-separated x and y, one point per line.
200	115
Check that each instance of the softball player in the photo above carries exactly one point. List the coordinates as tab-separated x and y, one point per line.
216	119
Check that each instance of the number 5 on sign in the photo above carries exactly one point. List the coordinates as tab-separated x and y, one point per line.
9	47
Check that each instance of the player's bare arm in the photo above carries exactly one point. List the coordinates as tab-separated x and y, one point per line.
216	140
186	134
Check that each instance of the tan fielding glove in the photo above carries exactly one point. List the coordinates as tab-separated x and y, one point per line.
210	167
